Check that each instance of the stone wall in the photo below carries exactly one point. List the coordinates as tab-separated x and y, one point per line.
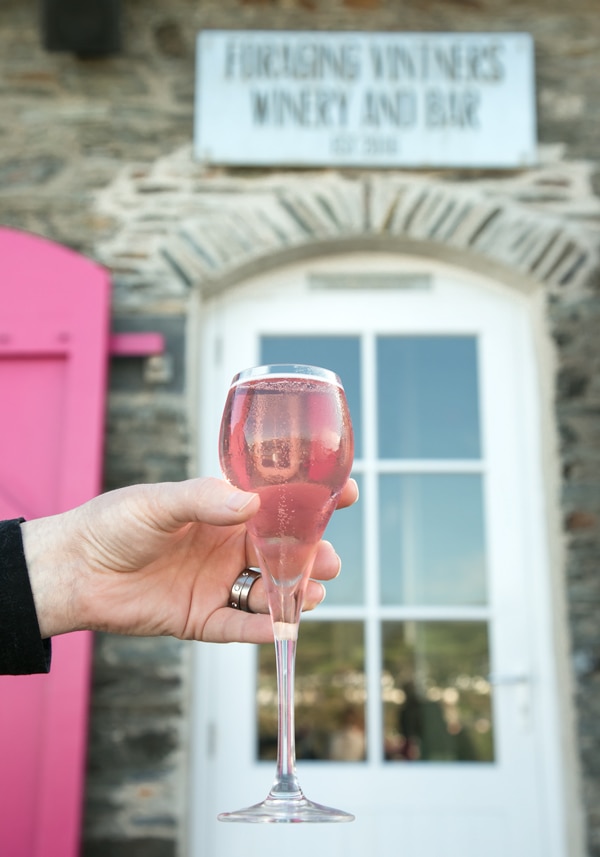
507	226
77	136
67	125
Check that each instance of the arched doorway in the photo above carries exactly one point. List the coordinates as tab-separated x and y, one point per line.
437	637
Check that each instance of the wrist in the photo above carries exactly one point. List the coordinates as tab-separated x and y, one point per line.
51	569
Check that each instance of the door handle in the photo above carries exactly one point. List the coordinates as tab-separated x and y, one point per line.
521	682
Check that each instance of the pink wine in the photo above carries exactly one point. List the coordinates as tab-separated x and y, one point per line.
289	440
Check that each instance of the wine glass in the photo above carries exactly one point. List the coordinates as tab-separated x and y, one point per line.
286	434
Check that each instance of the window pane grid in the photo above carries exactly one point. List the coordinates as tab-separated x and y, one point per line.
365	602
429	469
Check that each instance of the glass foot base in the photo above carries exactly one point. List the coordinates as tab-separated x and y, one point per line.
286	811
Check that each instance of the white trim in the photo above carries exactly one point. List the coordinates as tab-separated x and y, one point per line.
431	465
400	613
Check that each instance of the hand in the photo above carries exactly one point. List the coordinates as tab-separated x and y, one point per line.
155	560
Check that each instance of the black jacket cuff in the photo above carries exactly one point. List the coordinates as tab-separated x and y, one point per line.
22	649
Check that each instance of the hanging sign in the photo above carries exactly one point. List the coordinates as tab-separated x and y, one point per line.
272	98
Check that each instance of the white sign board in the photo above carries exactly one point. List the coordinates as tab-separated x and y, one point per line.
273	98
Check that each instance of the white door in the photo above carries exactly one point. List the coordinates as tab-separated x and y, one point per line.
425	688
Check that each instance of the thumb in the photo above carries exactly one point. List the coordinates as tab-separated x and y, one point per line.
207	500
242	503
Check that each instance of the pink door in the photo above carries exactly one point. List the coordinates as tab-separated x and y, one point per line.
54	311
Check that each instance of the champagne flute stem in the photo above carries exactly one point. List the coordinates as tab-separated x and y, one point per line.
286	783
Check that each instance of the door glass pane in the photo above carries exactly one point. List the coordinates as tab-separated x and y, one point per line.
345	532
436	696
428	397
330	694
431	532
338	353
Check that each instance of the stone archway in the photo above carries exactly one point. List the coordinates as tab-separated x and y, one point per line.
181	226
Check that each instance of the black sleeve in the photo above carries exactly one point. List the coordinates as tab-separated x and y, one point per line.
22	650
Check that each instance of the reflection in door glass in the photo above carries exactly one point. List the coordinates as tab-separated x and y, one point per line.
432	545
341	354
427	389
330	694
436	696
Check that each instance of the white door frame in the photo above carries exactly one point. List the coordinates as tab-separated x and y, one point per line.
217	667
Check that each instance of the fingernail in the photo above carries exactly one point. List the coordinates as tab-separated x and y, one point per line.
239	500
357	491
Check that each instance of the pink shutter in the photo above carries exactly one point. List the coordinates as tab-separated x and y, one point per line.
54	336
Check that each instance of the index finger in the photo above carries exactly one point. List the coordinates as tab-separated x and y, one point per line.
349	494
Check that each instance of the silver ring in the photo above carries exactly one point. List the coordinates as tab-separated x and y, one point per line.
238	597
